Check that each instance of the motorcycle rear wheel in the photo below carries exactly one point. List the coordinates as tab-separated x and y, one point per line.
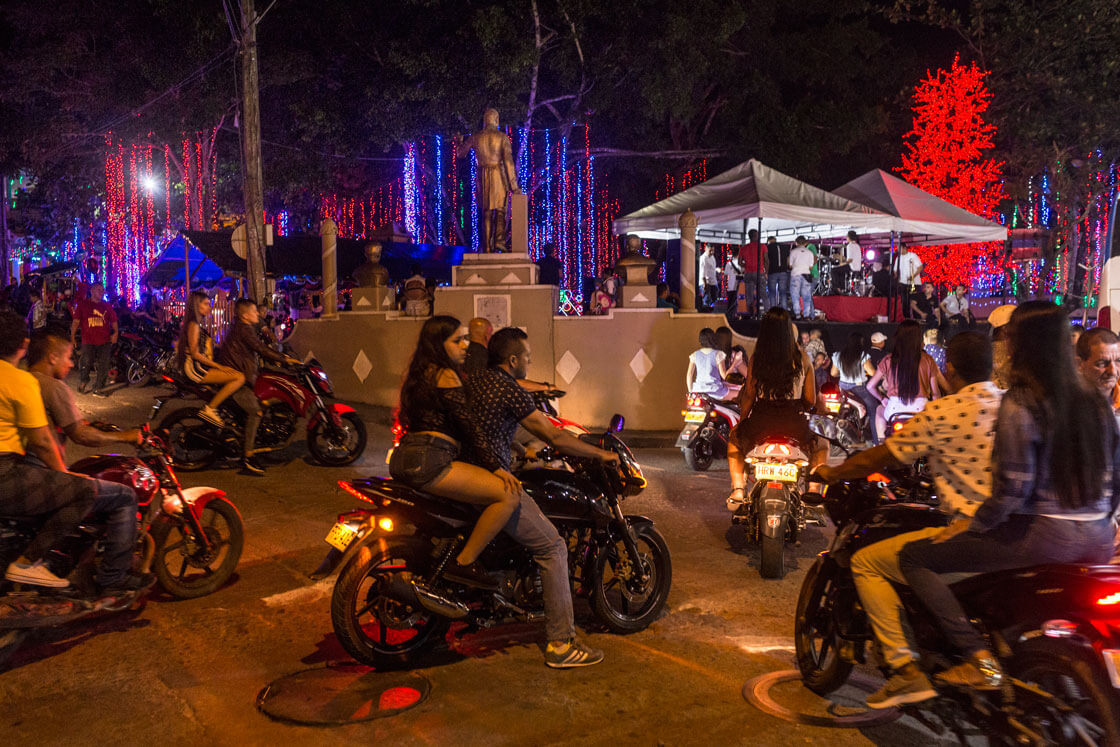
193	442
772	563
330	454
618	602
373	627
211	567
814	632
698	455
1077	681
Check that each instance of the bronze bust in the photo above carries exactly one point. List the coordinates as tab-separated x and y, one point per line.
371	273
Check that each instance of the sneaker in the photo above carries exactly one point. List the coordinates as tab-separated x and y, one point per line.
35	574
570	654
906	685
980	672
210	415
249	465
473	574
131	582
100	393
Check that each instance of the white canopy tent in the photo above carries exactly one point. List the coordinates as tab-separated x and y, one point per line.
725	203
918	217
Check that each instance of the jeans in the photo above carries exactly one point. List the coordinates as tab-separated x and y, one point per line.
711	293
531	528
1019	542
778	289
870	402
801	295
752	282
874	568
247	400
102	353
117	503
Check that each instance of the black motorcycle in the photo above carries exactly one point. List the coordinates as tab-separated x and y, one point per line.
1054	628
383	618
848	414
707	429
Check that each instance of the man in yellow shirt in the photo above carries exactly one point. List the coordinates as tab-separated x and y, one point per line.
27	489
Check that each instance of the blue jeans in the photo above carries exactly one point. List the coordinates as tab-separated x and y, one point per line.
778	290
1019	542
801	294
531	528
117	503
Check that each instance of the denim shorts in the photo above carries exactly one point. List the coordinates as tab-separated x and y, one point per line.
421	459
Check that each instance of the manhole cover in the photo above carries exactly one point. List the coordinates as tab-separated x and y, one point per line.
343	693
829	713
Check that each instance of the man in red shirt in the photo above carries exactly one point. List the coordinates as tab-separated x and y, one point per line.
752	258
98	323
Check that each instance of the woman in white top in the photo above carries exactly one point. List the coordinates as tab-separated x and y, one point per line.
852	365
707	368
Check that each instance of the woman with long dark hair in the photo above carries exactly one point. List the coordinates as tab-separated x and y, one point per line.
1056	440
909	376
439	431
778	389
852	365
196	358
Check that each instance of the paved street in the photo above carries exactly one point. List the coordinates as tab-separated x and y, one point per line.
187	672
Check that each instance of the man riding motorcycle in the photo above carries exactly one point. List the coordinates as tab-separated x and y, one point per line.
242	350
500	405
42	486
955	434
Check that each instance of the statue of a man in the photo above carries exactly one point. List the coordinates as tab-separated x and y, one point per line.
371	273
497	177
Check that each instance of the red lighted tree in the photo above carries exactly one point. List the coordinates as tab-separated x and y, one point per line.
945	155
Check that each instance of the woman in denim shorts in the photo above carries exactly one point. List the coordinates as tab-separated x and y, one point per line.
439	429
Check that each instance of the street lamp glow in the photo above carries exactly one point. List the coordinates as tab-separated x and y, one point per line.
149	184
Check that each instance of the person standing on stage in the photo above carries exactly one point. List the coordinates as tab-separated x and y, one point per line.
754	273
777	269
801	264
908	270
732	274
709	277
852	262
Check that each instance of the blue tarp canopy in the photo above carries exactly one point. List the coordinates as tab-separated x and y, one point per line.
210	255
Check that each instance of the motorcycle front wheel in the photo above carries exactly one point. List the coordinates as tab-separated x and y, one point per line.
1092	712
619	599
373	627
184	566
194	443
816	639
337	448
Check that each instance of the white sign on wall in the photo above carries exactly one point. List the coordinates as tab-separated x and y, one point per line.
495	309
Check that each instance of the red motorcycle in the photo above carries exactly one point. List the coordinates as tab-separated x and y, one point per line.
190	538
336	435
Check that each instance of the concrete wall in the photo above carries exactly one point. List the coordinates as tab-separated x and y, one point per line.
631	361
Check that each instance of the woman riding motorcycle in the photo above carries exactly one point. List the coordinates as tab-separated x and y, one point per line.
777	392
438	429
909	375
1055	486
852	365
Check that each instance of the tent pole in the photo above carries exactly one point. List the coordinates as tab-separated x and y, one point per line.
892	296
758	272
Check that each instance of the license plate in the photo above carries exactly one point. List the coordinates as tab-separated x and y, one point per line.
341	535
695	417
770	471
831	406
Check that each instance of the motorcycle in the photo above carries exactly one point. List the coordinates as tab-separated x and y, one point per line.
773	512
190	538
544	402
1055	628
849	414
382	618
707	428
336	435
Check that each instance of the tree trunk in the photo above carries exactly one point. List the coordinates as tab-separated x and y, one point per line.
252	179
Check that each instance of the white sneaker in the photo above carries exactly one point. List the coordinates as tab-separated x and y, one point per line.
36	574
210	415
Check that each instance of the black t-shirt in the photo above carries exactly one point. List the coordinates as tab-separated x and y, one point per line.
498	404
549	273
777	258
476	359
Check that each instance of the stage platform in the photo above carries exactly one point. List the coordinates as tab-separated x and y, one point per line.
835	334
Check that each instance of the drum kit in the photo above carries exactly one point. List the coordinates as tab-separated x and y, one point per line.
829	283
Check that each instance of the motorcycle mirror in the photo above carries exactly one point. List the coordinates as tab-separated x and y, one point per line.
617	422
823	427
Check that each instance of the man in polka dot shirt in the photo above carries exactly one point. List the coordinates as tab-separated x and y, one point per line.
955	434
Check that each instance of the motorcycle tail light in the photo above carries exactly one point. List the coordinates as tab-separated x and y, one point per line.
355	492
878	477
1109	600
898	426
776	449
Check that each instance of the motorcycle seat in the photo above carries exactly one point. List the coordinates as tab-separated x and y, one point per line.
398	491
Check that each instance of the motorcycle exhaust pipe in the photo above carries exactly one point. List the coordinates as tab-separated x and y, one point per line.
409	592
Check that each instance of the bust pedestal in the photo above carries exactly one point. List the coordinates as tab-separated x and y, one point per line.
373	298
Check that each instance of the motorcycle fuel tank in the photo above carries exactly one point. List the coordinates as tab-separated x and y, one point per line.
561	494
120	469
272	386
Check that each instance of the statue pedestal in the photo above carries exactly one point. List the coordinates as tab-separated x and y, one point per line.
494	269
373	298
639	296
